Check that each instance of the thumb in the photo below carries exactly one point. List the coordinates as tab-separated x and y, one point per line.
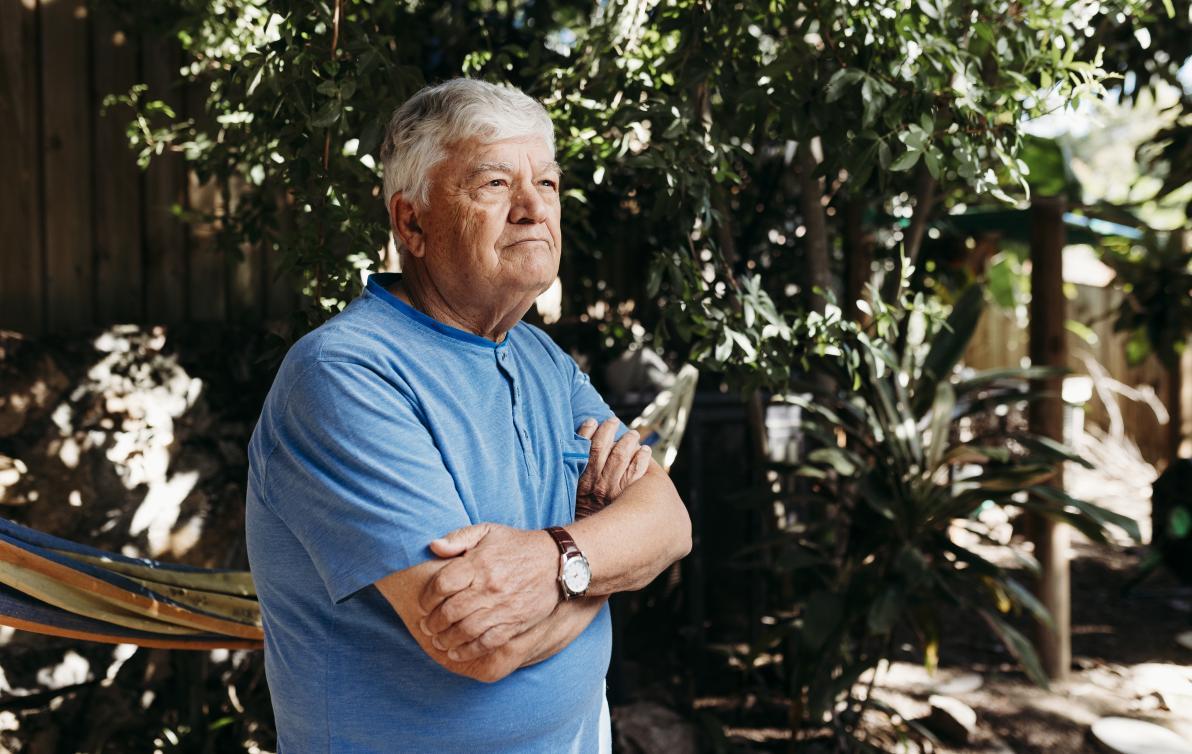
459	541
587	429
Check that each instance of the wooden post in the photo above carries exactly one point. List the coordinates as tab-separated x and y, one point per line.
66	149
117	189
165	290
1184	401
1048	347
22	262
1176	402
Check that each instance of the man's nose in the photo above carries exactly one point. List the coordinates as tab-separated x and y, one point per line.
528	207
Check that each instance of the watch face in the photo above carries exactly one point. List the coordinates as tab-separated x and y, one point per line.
577	575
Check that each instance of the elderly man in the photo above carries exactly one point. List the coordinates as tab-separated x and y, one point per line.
414	477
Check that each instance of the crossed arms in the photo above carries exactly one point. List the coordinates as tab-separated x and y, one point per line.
491	604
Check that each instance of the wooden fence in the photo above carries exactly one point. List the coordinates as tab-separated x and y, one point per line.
1000	341
86	237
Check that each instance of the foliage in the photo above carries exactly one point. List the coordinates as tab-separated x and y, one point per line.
1155	275
754	138
1142	55
740	161
294	100
725	139
864	544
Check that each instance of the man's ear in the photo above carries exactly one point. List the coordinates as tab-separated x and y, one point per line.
403	219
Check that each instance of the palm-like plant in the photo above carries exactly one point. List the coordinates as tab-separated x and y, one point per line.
903	450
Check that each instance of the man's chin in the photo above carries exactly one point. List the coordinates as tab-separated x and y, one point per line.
537	271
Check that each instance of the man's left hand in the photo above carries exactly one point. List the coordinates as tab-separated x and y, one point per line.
500	583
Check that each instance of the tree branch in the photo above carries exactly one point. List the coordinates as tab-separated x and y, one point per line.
811	195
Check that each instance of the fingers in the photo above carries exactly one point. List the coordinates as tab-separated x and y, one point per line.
609	483
639	465
459	541
452	611
602	439
587	429
488	642
455	577
602	443
482	632
618	460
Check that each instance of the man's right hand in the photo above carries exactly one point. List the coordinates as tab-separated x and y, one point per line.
612	466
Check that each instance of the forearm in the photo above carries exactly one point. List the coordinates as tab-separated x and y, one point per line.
635	537
543	641
553	635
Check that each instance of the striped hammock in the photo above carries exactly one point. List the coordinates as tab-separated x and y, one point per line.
53	586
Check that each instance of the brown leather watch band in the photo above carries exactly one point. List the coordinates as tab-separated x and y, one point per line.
570	559
567	545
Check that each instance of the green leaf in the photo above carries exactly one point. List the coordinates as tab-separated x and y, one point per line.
1082	331
1002	279
1179	523
1103	516
884	611
906	161
724	348
838	84
949	345
982	380
933	163
1051	450
837	458
1027	600
1019	646
941	423
654	280
1138	347
326	116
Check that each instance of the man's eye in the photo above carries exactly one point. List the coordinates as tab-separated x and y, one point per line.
496	182
549	182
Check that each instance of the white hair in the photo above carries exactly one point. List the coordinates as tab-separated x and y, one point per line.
436	117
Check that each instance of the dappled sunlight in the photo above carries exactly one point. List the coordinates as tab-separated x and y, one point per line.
73	670
158	512
119	423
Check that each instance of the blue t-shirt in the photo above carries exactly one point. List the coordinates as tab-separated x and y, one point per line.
384	430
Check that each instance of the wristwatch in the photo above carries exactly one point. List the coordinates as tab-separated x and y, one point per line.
575	575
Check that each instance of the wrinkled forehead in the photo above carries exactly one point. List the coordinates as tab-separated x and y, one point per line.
473	156
488	166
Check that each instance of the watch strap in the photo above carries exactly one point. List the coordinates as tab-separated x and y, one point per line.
563	539
569	551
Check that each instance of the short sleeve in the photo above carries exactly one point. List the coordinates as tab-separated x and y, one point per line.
585	401
357	478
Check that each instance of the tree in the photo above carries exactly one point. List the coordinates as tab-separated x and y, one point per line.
757	152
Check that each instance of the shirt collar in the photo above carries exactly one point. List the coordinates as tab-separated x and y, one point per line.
378	285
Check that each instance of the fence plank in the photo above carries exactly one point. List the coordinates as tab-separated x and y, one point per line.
118	269
21	263
164	236
245	285
281	291
66	150
207	271
207	267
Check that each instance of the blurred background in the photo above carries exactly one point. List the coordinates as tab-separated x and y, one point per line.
931	258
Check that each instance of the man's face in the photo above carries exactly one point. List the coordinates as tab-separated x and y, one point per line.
491	230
